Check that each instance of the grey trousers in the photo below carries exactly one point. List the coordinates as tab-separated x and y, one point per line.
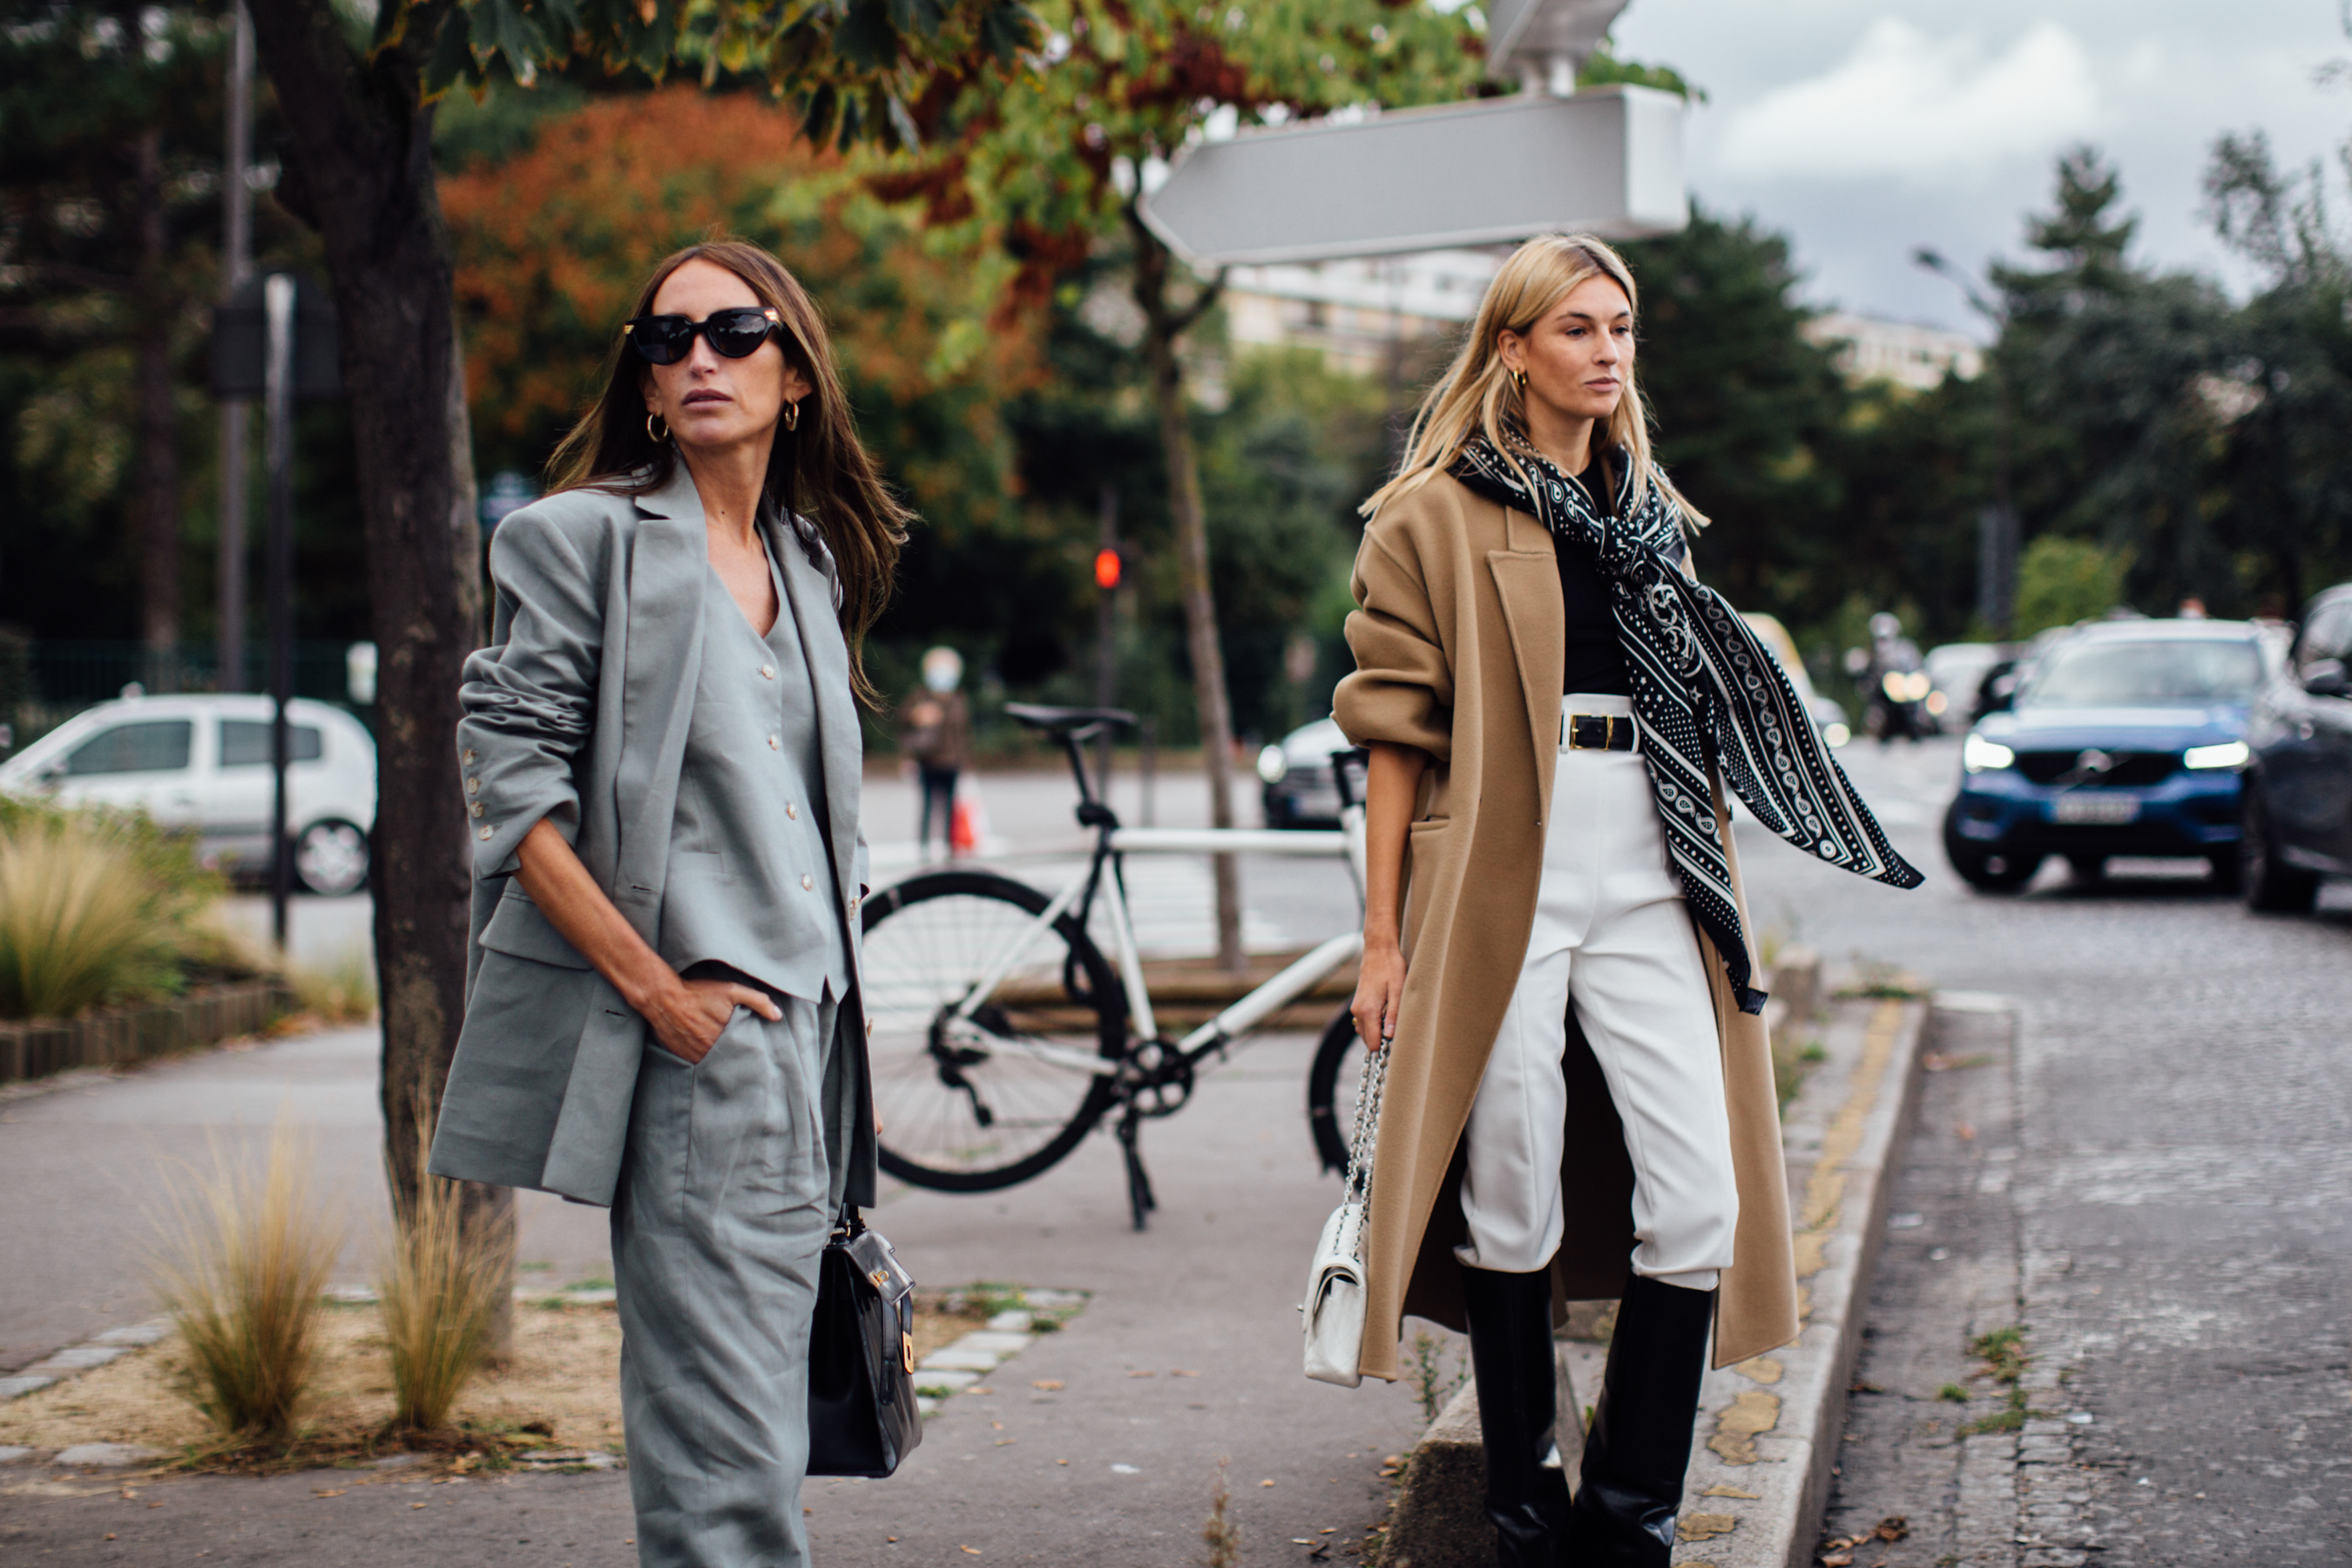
717	1229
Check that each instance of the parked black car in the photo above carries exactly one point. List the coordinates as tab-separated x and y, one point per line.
2298	799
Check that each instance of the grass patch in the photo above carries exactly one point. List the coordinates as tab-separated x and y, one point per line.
95	907
342	991
441	1290
2005	1360
2009	1418
1790	1063
1433	1383
1880	981
1221	1534
2003	1353
243	1257
556	1393
1953	1392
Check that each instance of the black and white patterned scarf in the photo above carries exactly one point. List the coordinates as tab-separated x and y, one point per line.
1704	687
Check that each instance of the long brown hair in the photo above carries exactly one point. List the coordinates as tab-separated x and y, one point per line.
819	469
1478	395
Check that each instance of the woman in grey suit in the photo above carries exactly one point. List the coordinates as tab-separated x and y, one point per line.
661	755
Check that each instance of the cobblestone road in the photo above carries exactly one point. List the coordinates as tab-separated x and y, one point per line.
2144	1164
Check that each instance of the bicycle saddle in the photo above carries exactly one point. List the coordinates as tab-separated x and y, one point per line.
1062	720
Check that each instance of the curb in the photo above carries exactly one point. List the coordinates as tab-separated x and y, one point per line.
1765	1446
75	1360
1769	1428
1441	1521
36	1048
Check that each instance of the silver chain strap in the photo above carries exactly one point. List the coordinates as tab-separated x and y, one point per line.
1367	1123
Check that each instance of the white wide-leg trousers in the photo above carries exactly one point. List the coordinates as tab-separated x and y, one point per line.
1612	937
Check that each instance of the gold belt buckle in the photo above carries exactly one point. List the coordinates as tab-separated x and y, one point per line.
1608	721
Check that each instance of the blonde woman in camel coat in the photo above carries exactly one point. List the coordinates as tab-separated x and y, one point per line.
1463	643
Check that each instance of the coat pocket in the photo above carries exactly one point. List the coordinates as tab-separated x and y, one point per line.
519	929
1428	846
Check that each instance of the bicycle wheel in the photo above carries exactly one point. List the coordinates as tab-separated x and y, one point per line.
956	1115
1331	1085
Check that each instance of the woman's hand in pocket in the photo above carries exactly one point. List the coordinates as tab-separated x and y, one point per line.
689	1016
1379	990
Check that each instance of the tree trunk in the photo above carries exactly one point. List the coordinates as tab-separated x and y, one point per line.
1163	326
159	436
360	169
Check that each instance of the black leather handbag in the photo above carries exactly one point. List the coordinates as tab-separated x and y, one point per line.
861	1413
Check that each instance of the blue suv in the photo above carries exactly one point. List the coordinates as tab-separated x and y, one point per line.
2124	738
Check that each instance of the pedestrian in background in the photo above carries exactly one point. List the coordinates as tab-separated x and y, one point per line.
936	735
661	756
1555	943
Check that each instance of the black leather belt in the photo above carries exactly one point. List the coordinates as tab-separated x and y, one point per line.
1596	732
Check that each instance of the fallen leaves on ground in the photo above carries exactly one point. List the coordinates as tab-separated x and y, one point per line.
1839	1553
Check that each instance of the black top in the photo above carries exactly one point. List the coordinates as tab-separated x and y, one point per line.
1596	660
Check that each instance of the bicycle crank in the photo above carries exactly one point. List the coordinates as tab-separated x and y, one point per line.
1156	1079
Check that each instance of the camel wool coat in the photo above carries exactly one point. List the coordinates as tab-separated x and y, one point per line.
1460	650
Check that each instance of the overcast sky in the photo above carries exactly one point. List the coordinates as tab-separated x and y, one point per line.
1864	127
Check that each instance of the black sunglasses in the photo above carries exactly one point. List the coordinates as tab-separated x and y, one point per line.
735	333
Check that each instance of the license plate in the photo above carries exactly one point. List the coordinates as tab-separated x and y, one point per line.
2095	808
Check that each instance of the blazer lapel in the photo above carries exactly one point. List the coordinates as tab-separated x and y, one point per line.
666	589
841	740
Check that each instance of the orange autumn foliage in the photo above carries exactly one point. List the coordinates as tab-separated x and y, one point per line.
552	243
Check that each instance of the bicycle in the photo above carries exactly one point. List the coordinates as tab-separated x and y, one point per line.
1002	1035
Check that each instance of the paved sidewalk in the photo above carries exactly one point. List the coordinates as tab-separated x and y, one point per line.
1210	1290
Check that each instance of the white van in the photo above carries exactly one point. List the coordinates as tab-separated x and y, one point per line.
202	763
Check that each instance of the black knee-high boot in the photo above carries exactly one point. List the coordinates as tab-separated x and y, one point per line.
1638	1451
1511	1357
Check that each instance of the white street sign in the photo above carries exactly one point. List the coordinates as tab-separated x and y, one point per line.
1608	162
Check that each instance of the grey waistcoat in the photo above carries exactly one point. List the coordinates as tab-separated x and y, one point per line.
578	713
750	885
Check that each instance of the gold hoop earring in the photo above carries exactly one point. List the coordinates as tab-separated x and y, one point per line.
792	415
657	436
1521	377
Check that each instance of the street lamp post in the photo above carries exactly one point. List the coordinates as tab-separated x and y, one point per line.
277	399
237	262
1997	528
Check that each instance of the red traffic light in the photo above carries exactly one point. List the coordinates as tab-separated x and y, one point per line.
1106	568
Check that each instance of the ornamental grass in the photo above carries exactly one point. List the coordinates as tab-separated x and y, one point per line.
96	906
245	1254
443	1287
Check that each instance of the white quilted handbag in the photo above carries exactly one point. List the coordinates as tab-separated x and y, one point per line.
1333	1311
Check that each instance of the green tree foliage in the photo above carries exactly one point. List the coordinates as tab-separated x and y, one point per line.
1291	448
1747	411
2286	395
2061	580
2106	366
109	178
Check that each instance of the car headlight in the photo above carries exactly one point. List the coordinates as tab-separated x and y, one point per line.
1271	765
2228	754
1978	754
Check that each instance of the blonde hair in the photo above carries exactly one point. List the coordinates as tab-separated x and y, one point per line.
1477	395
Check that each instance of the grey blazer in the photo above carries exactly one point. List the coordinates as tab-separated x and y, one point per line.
577	713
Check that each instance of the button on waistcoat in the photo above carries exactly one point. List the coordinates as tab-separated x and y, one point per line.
751	882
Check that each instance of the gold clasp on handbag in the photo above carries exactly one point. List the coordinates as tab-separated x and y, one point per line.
907	1349
881	1278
